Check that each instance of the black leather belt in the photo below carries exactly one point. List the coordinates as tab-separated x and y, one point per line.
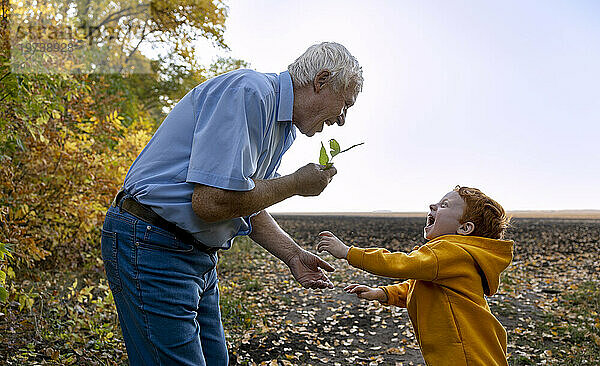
146	214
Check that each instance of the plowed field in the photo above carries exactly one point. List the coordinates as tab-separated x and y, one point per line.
548	300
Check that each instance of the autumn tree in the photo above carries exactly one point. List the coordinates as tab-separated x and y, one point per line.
67	139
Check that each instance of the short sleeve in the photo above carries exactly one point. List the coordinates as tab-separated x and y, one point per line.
227	139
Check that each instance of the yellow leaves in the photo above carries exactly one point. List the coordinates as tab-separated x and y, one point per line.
88	100
25	301
396	351
86	128
71	95
114	119
71	146
85	294
72	289
53	354
325	346
348	342
35	251
43	119
596	339
18	214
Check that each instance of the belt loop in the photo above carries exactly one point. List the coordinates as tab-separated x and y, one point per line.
126	203
118	198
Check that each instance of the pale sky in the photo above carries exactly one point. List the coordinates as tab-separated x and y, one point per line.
499	95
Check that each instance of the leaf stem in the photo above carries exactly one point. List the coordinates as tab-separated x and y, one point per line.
355	145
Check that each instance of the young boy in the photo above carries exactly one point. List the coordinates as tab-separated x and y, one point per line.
447	278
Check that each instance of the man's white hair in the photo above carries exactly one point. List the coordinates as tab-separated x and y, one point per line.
330	56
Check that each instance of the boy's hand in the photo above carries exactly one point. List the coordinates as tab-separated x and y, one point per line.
366	292
331	244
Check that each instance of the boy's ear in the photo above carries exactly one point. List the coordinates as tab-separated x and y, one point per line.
466	228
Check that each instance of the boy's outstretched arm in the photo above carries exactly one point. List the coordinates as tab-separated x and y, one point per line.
396	294
387	295
420	264
330	243
368	293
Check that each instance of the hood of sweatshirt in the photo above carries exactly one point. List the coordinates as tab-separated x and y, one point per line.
491	256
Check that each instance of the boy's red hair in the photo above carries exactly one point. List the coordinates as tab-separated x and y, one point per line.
487	215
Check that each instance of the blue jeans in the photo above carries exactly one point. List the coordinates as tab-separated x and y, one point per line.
166	294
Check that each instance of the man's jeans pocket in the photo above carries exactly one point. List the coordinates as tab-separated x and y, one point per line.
157	239
109	247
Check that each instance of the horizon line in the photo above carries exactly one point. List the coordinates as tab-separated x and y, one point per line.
567	213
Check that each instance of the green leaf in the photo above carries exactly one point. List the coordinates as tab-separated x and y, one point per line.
3	294
335	147
323	158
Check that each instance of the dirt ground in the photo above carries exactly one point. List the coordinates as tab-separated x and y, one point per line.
548	301
329	327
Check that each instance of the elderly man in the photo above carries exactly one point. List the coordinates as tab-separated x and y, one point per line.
206	176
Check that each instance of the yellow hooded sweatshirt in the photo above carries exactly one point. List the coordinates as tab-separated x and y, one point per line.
448	277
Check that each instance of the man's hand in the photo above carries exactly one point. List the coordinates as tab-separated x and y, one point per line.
333	245
306	269
312	179
366	292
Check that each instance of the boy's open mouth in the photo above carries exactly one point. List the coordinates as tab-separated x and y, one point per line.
430	220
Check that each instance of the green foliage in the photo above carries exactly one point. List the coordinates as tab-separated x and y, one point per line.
335	147
4	270
67	140
235	268
173	80
324	158
235	313
112	33
66	157
583	323
3	292
75	323
335	150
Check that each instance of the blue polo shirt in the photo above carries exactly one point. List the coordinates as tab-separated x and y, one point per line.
224	133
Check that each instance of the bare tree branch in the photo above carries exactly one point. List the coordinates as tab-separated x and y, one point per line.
136	46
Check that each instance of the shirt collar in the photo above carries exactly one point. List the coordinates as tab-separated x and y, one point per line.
286	97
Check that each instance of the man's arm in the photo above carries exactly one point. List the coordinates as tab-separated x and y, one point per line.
214	204
305	266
